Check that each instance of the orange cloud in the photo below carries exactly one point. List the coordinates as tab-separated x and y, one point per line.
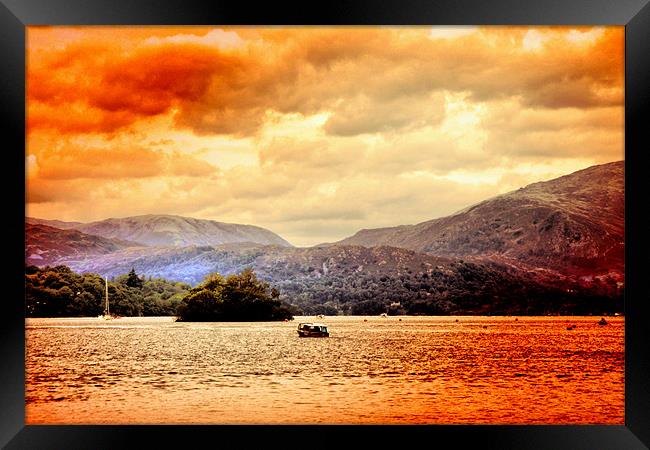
151	80
100	86
71	162
94	88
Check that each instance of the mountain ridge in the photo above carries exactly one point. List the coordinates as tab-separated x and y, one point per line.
573	223
168	229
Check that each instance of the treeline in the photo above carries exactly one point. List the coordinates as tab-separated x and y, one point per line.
467	289
460	288
60	292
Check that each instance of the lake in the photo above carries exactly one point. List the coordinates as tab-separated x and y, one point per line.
391	370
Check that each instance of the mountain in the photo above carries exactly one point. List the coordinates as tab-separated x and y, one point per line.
52	223
573	224
164	230
46	245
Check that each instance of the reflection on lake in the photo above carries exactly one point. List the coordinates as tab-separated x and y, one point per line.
420	370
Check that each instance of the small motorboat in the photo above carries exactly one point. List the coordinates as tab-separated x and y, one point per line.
312	330
602	321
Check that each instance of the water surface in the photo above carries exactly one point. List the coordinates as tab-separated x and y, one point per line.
420	370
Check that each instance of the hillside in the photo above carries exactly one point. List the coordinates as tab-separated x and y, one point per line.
274	263
573	224
163	230
45	245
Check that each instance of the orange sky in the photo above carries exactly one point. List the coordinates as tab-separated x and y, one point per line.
312	132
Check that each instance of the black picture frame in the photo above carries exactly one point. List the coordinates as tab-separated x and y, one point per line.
15	15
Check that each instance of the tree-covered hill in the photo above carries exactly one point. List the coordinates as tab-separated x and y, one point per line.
239	297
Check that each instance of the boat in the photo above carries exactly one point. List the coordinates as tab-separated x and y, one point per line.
602	321
107	312
312	330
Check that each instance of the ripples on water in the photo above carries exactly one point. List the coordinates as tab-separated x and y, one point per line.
490	370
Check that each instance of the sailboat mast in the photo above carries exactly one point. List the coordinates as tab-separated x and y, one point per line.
107	310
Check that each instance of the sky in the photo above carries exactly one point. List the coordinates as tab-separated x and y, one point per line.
312	132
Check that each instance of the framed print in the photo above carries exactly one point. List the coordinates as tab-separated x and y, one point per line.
381	222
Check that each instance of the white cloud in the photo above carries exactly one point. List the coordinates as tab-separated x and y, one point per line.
534	40
451	32
224	40
584	37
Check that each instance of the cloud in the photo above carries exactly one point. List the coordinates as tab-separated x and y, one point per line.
362	114
315	153
72	161
92	87
221	39
450	32
520	132
221	83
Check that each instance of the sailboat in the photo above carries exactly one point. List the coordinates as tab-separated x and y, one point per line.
107	312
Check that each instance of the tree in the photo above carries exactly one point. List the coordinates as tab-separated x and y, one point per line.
133	280
240	297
